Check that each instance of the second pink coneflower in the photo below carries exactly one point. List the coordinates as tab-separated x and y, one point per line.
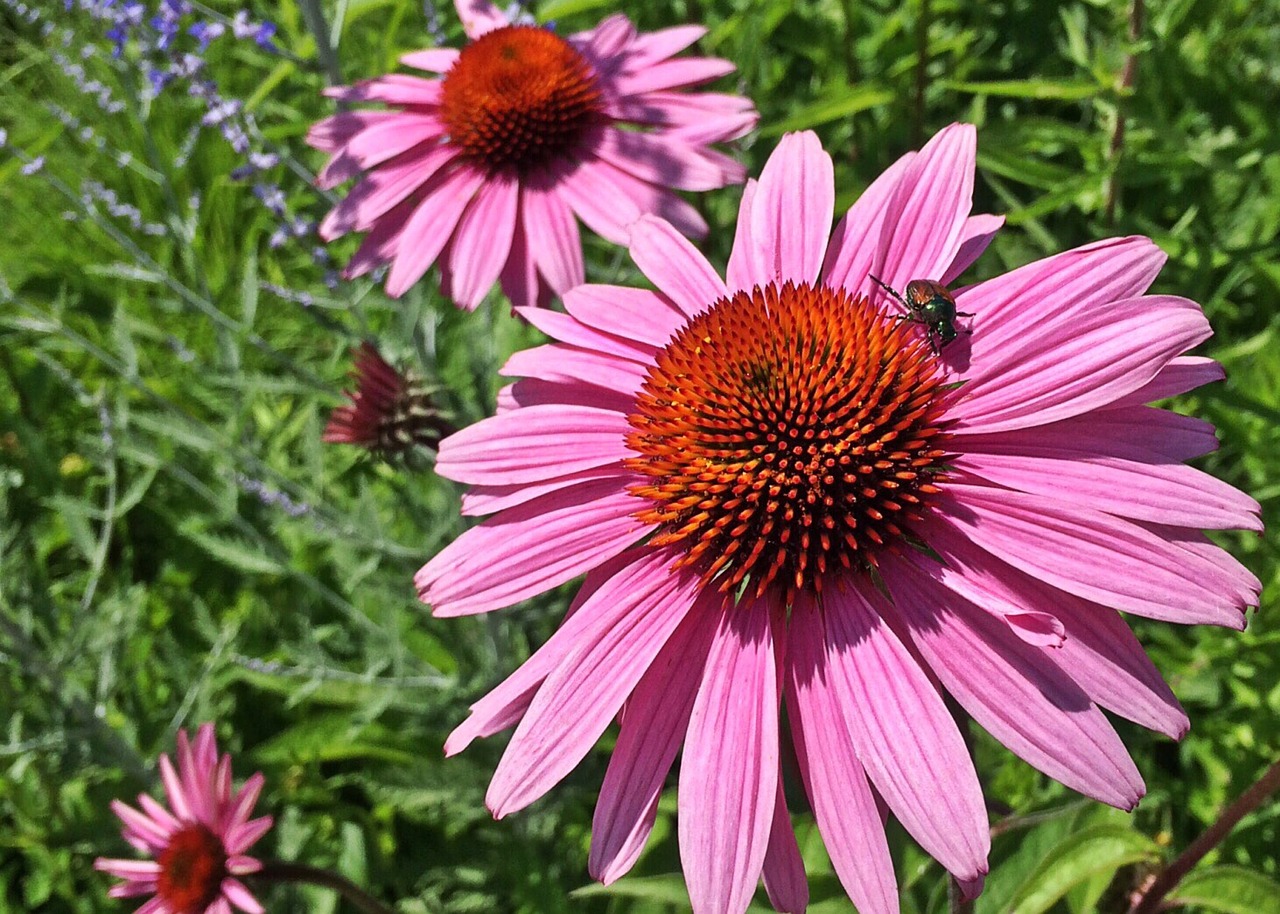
489	168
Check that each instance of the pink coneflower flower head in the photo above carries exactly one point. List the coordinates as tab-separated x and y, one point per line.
488	168
390	413
197	846
787	487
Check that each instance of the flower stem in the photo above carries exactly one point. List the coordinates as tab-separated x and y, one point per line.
1127	78
285	871
313	16
1212	836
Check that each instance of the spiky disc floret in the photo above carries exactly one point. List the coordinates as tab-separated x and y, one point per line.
788	432
519	96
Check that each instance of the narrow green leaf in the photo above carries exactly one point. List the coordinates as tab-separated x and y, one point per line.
1229	889
1029	88
1080	856
844	101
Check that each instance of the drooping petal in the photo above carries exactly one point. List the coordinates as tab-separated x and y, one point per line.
729	771
434	60
482	242
1004	683
519	276
639	609
235	892
565	328
784	876
843	805
530	549
667	162
653	727
903	734
430	228
1180	375
792	210
673	74
573	364
553	237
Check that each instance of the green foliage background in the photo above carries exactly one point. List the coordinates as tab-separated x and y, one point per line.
153	388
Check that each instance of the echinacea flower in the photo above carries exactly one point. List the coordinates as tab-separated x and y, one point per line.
488	169
389	414
780	492
197	846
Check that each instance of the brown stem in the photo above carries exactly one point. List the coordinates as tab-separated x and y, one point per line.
285	871
1244	804
1127	78
922	75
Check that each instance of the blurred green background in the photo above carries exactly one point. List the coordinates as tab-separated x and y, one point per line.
177	546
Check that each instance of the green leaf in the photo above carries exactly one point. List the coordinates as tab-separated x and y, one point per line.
1029	88
844	101
1230	889
663	889
1080	856
559	9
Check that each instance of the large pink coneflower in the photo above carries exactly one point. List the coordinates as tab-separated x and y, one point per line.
779	492
197	846
488	169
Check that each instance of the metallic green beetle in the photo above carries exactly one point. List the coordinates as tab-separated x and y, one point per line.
929	303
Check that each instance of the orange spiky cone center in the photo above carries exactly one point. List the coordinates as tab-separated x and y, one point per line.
192	868
788	433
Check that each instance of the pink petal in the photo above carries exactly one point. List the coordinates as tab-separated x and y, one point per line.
638	610
534	391
154	834
688	110
530	549
174	789
382	242
904	735
651	47
653	726
553	237
533	444
387	139
1183	374
843	804
1017	306
746	267
479	17
607	42
1228	574
784	877
675	266
1092	555
386	188
430	228
219	905
855	245
519	276
1097	648
240	865
565	328
1130	484
335	131
1026	703
792	210
132	889
1077	362
509	700
672	74
975	236
235	892
392	89
667	162
925	218
1119	430
481	500
637	314
609	200
482	242
240	810
134	870
154	906
729	772
573	364
159	815
240	838
434	60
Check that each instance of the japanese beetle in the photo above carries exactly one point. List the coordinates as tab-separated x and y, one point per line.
928	303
